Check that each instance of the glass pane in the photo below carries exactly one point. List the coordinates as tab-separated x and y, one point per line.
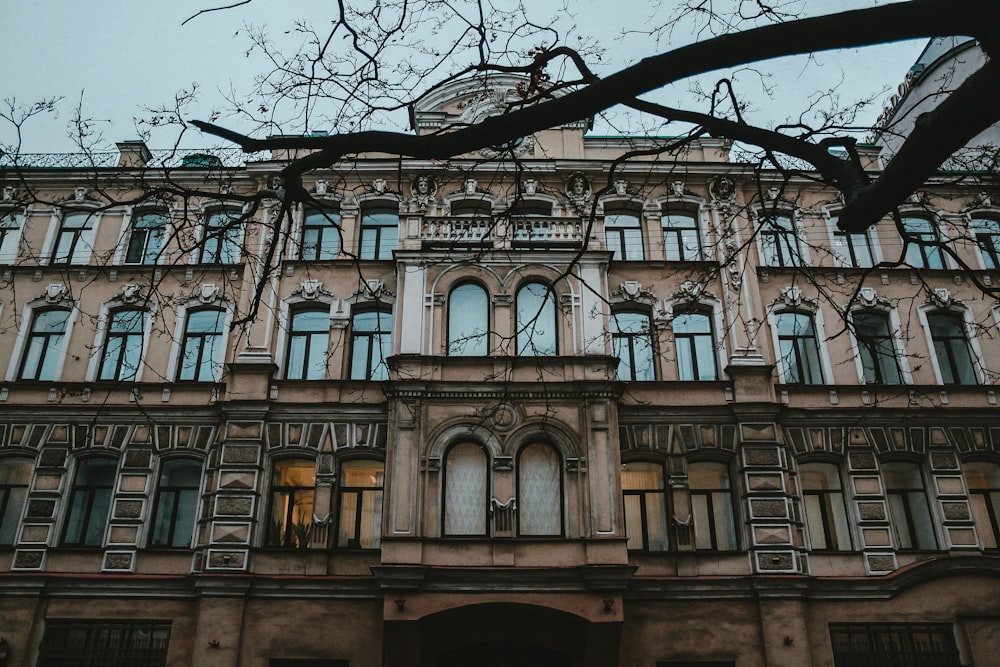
348	525
539	490
468	321
702	521
722	506
633	522
465	491
656	521
814	521
536	320
642	476
708	476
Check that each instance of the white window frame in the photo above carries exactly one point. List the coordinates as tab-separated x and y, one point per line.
125	234
180	325
970	338
23	331
898	345
11	245
84	249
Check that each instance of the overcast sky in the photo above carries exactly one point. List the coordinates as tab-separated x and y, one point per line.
121	55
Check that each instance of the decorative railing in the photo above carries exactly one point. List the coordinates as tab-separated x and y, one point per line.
456	230
544	231
160	158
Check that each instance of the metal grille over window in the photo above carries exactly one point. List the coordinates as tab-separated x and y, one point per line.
893	644
107	643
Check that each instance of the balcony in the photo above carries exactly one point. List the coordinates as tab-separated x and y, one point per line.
447	232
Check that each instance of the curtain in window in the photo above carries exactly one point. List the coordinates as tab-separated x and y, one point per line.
539	491
465	491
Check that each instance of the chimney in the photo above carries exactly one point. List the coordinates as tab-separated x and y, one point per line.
133	154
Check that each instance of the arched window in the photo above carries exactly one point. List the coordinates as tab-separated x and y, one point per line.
623	235
681	237
645	506
825	511
983	480
987	232
877	347
466	490
11	224
694	342
308	342
536	320
360	525
44	345
379	232
371	344
951	348
539	491
293	491
921	236
176	503
468	321
90	502
15	478
220	242
632	343
145	241
712	507
798	348
202	346
122	356
320	234
908	508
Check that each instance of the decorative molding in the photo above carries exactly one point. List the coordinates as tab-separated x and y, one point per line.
868	297
423	188
792	297
942	298
55	293
208	293
632	290
130	292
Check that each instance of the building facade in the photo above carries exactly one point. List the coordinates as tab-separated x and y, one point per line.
531	405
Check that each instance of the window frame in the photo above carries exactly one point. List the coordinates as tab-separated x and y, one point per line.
988	502
90	490
355	541
183	335
835	527
28	334
627	247
893	644
177	500
8	512
846	240
971	345
630	338
710	316
371	335
311	337
331	225
987	243
108	335
12	222
770	236
524	335
458	341
715	496
105	641
286	534
367	228
666	216
918	255
221	247
446	466
870	350
81	247
518	490
822	369
647	496
908	498
146	258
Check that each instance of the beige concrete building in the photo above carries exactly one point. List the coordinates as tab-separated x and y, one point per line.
554	410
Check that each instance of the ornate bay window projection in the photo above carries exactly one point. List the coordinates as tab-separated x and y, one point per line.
90	502
122	356
293	491
15	477
632	343
468	321
951	347
308	343
623	235
146	239
921	253
176	503
908	507
371	344
645	506
536	320
825	511
712	507
983	480
360	524
466	490
321	233
43	348
877	347
539	491
694	342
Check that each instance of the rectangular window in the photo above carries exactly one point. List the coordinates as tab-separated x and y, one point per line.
146	239
877	347
987	233
983	480
379	233
74	238
10	235
922	244
123	346
908	508
680	237
360	525
712	507
201	347
15	477
799	348
853	249
951	348
632	343
44	345
623	235
220	241
894	644
825	511
320	235
645	506
694	343
779	241
90	502
74	643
